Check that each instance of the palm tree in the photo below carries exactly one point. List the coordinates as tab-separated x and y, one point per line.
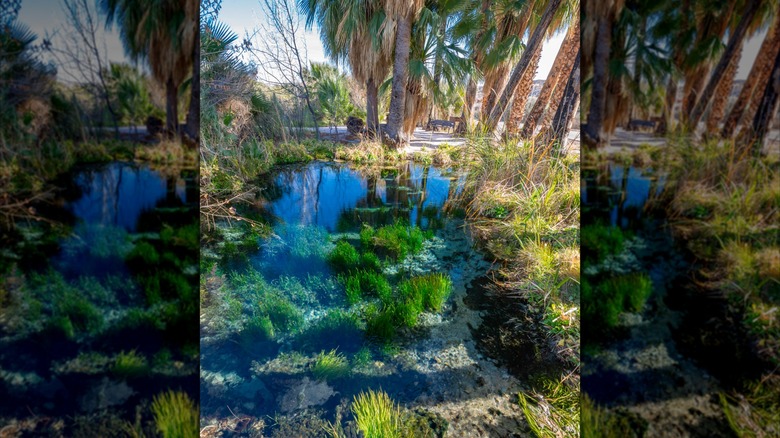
357	33
164	34
552	90
404	13
598	19
512	22
759	74
729	58
534	45
565	114
766	110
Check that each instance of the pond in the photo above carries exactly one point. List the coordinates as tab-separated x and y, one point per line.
655	362
290	374
82	334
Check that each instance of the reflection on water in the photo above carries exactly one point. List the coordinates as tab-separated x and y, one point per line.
619	195
117	194
331	195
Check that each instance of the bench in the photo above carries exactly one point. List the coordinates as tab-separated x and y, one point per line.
636	125
433	124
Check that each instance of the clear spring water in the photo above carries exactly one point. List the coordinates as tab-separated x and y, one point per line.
310	207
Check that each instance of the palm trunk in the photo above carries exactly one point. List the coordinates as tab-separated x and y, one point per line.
669	101
400	74
564	116
766	110
372	107
722	94
534	44
732	49
561	69
171	107
759	74
521	96
468	104
193	115
591	131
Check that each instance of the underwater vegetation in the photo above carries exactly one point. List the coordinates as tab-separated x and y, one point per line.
605	300
377	416
330	365
599	241
175	415
129	364
395	241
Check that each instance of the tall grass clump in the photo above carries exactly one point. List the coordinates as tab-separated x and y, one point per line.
175	415
130	364
377	416
604	301
364	283
430	290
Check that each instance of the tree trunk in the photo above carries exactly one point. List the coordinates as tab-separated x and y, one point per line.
668	111
193	115
732	49
591	131
564	116
534	44
522	92
766	110
171	107
372	107
561	69
759	74
400	74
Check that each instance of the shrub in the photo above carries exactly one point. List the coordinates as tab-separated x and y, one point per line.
175	415
329	366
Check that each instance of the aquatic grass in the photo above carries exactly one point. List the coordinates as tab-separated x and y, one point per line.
362	358
397	240
598	422
431	290
74	314
175	415
130	364
344	256
552	412
143	255
381	323
284	315
338	328
600	241
329	366
259	328
757	412
377	416
365	283
603	302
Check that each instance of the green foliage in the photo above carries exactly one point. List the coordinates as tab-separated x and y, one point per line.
129	364
74	314
381	324
377	416
330	366
175	415
259	328
144	254
554	411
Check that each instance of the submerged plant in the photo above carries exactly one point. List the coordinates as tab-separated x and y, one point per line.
363	283
284	315
344	256
603	302
431	290
397	240
175	415
330	365
130	364
599	241
377	416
